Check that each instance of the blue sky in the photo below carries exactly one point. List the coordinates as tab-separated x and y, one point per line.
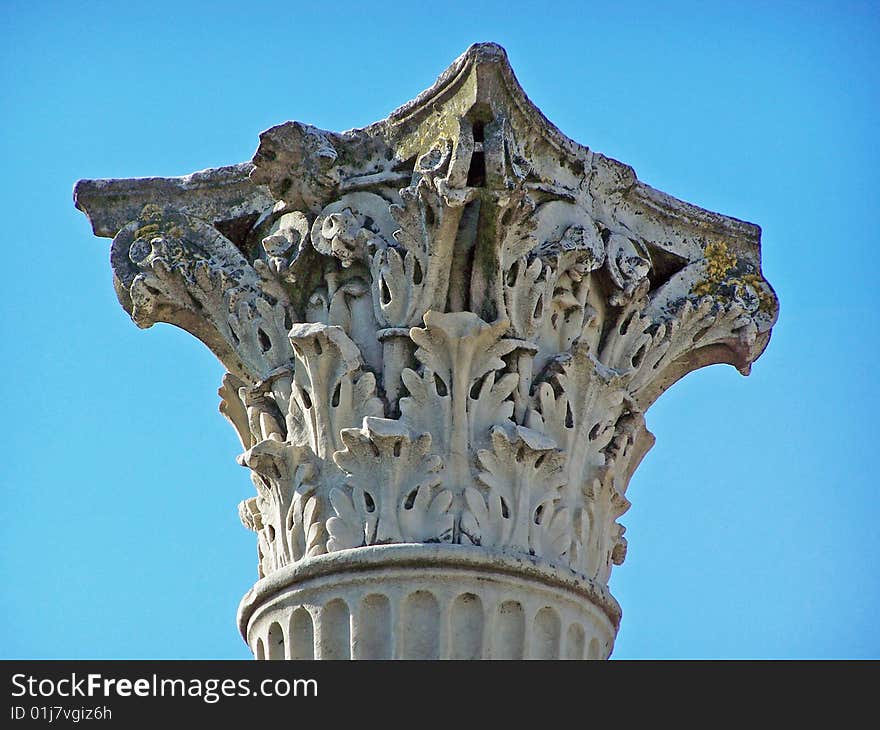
753	531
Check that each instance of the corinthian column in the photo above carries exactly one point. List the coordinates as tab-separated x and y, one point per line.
442	333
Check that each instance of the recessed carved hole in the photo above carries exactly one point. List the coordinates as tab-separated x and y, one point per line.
540	460
407	165
475	390
512	274
372	629
410	499
546	632
334	631
269	298
505	512
554	319
420	621
440	385
624	327
319	350
237	229
574	646
374	449
368	223
509	635
639	356
397	448
290	520
369	504
288	322
275	642
594	432
505	217
235	339
417	273
467	627
306	400
384	292
429	216
477	171
302	635
664	265
657	364
297	351
270	533
569	416
520	454
265	343
539	513
539	308
334	401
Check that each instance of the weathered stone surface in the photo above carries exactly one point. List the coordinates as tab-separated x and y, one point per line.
442	331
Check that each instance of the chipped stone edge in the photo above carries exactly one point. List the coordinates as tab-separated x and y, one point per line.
213	194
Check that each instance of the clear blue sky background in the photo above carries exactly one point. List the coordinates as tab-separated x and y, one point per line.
754	526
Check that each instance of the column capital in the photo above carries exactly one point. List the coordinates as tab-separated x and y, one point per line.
443	328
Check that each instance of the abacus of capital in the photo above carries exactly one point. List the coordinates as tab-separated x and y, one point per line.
442	333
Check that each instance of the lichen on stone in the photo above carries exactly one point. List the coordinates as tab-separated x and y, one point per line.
719	263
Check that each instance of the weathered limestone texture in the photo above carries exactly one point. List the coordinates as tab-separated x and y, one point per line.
442	334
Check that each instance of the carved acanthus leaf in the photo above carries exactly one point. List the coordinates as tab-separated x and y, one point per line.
578	406
289	527
645	342
392	489
173	268
330	392
459	394
605	545
233	408
519	509
427	226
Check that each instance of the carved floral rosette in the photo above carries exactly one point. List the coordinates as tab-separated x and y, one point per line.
442	333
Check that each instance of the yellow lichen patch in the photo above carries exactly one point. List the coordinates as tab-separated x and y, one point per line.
147	231
719	262
765	301
151	212
155	226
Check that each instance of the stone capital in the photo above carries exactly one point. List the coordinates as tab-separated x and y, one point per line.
442	332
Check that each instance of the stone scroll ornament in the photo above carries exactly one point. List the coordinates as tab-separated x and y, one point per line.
442	333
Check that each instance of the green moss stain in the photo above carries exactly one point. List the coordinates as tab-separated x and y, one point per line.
487	264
